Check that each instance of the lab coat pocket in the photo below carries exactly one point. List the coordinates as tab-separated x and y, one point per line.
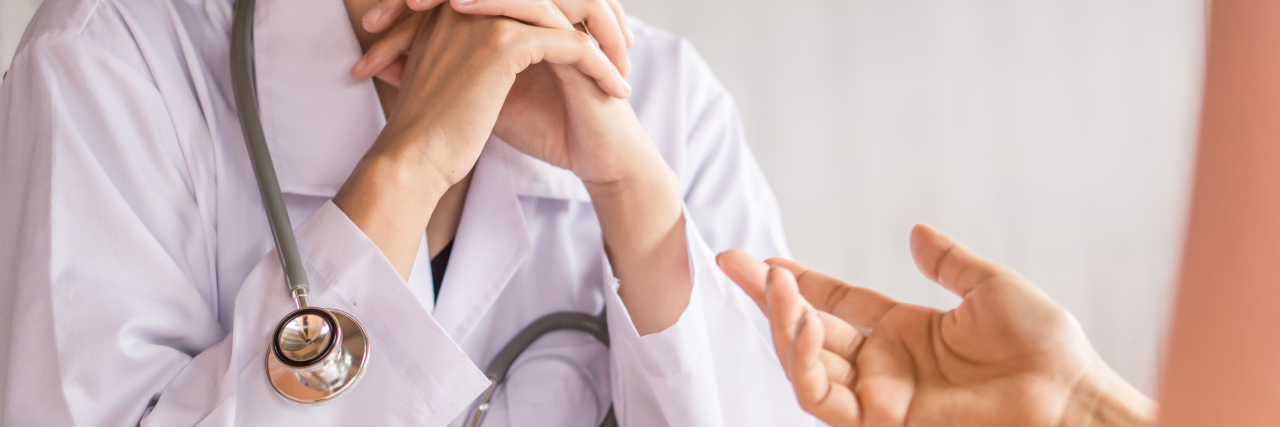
564	386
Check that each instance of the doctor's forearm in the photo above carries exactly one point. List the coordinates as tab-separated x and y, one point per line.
644	234
391	198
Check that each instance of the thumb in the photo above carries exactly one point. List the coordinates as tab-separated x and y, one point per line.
949	263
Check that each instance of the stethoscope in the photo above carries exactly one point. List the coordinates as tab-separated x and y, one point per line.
317	354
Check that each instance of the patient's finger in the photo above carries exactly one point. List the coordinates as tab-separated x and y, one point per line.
949	263
841	338
830	401
596	14
784	308
746	271
839	370
859	306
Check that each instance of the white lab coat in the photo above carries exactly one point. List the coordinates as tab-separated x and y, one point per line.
138	283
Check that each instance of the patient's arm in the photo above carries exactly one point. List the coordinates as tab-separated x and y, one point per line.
1103	399
1223	367
1006	356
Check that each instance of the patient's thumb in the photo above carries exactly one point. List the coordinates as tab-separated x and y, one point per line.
947	262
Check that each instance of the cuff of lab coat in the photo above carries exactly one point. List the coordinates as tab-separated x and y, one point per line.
677	349
350	273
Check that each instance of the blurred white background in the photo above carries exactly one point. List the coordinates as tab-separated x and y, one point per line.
1055	136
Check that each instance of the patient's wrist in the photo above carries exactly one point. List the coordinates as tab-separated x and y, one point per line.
1103	399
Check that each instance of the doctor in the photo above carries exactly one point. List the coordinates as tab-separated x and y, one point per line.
137	279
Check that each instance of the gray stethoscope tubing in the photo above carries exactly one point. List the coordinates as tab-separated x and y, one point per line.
500	367
316	354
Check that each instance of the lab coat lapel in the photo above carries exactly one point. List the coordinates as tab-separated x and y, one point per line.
318	120
491	243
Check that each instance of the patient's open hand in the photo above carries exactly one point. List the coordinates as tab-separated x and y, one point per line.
1006	356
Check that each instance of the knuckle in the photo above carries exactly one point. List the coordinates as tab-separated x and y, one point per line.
549	8
601	8
505	33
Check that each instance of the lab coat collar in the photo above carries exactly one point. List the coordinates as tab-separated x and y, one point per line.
319	121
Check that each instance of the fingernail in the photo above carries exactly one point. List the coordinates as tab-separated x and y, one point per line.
360	65
466	1
372	17
626	86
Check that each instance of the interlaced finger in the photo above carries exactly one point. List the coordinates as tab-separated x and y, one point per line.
388	51
542	13
603	24
622	21
383	15
569	47
562	14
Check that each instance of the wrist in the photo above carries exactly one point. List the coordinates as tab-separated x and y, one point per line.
1101	398
418	157
632	177
642	223
391	198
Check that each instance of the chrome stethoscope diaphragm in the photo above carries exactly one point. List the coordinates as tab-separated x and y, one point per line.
316	354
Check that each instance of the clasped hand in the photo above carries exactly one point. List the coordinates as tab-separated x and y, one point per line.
549	92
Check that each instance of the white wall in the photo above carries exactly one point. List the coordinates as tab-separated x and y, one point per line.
1053	136
14	15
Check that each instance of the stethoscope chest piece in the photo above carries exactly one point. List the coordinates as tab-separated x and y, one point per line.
317	354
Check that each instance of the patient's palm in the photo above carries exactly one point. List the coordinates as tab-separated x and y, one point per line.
963	365
1006	356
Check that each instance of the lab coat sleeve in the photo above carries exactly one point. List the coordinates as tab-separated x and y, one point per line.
713	367
107	291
